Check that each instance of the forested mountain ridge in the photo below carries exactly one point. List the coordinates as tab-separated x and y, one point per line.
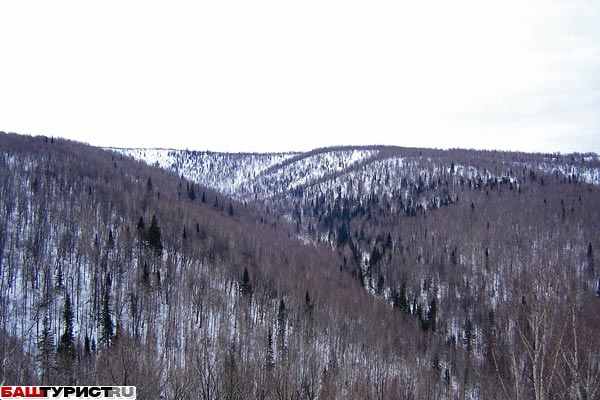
251	176
379	273
493	252
114	272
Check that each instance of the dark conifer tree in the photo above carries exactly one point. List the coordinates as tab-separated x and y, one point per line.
107	331
111	241
432	316
342	235
245	284
469	335
45	347
308	304
141	229
375	256
154	237
66	346
401	301
191	192
380	285
87	345
281	325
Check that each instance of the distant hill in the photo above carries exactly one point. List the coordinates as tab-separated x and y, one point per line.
248	176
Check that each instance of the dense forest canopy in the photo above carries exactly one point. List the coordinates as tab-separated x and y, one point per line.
360	273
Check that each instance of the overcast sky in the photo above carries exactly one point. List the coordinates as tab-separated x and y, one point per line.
280	75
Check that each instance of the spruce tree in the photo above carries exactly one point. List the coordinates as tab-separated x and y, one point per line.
375	256
110	243
245	285
141	229
66	346
403	303
380	285
45	346
432	316
281	319
191	192
308	305
154	237
469	335
107	331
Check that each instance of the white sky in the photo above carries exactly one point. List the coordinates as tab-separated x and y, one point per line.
281	75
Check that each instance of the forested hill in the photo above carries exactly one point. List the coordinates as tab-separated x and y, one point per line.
493	254
360	273
251	176
112	273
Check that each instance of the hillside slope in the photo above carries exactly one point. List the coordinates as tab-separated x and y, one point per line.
492	254
112	273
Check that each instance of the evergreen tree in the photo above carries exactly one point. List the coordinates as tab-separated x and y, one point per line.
154	237
245	284
281	313
432	316
111	240
380	285
375	256
281	325
389	244
45	346
191	192
230	209
308	305
342	235
203	197
149	185
66	346
141	229
107	332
